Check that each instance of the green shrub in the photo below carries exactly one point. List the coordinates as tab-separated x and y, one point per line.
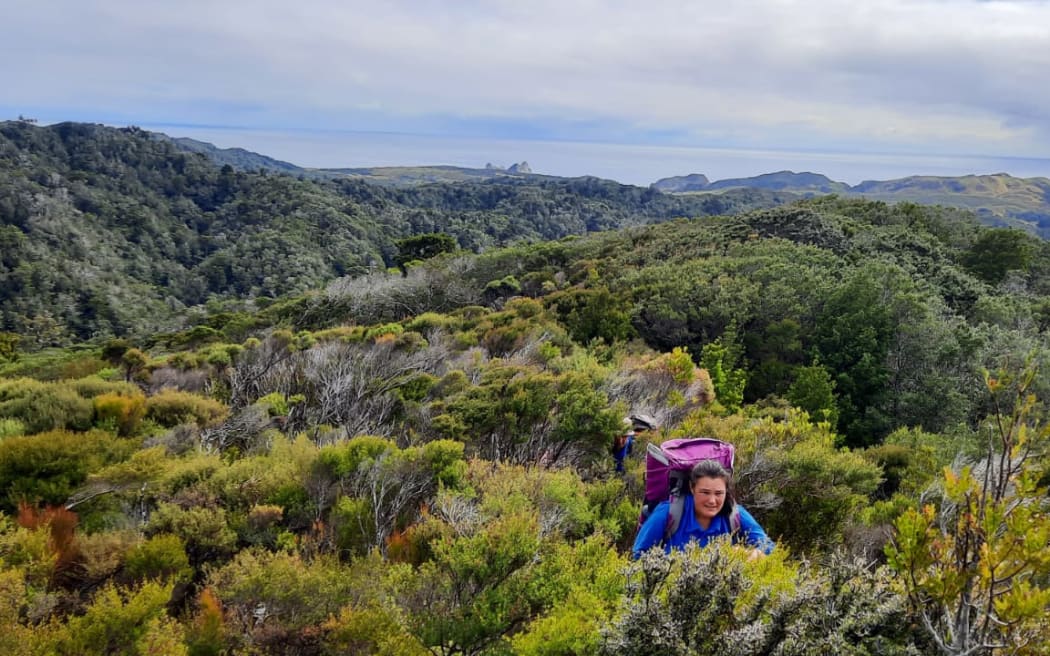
171	407
711	601
184	360
372	629
256	480
124	413
114	622
93	386
352	521
160	557
430	321
48	467
103	553
290	591
277	405
204	531
339	333
83	366
11	427
206	634
417	387
388	330
44	406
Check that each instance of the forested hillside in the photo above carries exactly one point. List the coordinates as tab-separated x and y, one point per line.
418	462
111	231
998	199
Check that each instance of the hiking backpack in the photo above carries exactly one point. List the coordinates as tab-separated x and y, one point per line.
667	468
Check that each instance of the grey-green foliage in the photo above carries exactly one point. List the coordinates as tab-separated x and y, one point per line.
112	231
703	602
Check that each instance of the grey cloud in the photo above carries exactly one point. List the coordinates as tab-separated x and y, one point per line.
771	72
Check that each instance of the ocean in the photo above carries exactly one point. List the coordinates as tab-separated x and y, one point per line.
636	164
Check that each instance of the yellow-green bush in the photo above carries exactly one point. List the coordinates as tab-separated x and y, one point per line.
44	406
339	333
162	556
171	407
204	531
184	360
29	550
292	592
700	600
352	521
188	472
83	366
388	330
10	427
114	622
93	386
430	321
16	639
124	413
370	629
102	554
206	633
260	479
48	467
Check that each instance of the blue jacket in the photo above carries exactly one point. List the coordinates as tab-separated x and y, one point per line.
652	531
623	452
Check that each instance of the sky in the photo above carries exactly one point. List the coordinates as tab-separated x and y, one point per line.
633	91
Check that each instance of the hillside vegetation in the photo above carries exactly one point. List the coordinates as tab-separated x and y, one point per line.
111	231
998	199
417	460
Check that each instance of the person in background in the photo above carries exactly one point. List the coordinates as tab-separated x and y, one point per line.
622	448
634	425
710	511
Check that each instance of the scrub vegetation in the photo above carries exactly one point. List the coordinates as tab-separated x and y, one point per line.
417	460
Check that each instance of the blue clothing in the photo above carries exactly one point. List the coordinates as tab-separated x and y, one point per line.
652	531
623	452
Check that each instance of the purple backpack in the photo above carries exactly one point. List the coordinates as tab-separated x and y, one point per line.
667	469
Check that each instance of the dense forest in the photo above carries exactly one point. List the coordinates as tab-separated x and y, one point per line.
414	458
107	231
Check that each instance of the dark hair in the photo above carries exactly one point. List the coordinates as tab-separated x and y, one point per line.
714	469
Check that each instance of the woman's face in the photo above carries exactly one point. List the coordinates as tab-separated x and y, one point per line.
709	494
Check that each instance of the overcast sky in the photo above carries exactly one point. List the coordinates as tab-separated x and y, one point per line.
778	83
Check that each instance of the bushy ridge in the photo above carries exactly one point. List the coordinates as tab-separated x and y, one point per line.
111	231
418	461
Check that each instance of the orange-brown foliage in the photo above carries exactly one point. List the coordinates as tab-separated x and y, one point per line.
62	525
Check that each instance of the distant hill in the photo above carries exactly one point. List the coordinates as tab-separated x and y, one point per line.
786	181
997	199
247	161
416	175
681	183
801	183
239	158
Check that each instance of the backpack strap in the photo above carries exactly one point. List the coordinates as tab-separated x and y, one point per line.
735	524
674	514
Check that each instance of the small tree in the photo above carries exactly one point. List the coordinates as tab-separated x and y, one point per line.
719	359
422	247
133	361
977	568
814	392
